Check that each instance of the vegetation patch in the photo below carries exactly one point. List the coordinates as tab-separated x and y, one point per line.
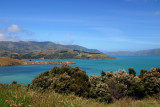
5	61
56	54
109	87
69	86
63	80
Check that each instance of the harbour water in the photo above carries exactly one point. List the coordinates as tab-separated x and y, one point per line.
25	73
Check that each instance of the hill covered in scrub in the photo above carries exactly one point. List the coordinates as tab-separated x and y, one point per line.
32	46
4	61
56	54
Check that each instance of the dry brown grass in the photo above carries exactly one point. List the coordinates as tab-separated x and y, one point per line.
5	61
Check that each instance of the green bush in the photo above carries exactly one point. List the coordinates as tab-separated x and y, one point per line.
158	69
14	82
151	81
64	79
103	73
108	87
132	71
123	84
99	90
143	71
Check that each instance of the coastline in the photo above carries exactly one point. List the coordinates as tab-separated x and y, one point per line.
5	61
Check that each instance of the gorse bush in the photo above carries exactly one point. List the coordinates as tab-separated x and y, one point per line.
63	80
103	73
122	84
151	82
99	90
143	71
108	87
132	71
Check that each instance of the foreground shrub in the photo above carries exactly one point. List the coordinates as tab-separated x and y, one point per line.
103	73
64	79
122	84
14	82
151	81
99	90
132	71
143	71
108	87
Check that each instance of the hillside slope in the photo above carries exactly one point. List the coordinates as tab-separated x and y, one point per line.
32	46
56	54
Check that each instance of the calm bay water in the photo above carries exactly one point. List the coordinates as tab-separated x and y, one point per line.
25	73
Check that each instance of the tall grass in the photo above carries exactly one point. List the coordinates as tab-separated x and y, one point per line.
16	95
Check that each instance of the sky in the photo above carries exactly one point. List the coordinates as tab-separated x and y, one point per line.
106	25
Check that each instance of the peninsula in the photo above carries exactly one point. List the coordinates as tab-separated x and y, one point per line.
56	54
5	61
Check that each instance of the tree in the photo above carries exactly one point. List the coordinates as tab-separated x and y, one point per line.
103	73
132	71
143	71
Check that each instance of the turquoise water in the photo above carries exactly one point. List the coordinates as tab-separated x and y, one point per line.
25	73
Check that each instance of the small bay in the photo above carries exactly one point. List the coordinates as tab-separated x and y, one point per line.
25	73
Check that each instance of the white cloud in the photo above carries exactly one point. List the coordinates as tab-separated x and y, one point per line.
3	37
10	33
14	28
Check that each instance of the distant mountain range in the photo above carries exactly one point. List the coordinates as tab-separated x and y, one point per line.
32	46
149	52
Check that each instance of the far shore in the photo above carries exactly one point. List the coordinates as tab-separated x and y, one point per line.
5	61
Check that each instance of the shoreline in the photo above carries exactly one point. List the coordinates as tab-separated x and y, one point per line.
5	61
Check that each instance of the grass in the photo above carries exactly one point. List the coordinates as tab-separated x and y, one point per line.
5	61
16	95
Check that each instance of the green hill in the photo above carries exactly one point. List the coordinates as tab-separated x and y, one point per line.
32	46
56	54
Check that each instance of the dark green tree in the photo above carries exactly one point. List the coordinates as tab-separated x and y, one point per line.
14	82
103	73
132	71
143	71
158	69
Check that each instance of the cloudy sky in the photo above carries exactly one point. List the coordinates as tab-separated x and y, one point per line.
107	25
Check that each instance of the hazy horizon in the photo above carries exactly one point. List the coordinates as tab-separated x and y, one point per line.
106	25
